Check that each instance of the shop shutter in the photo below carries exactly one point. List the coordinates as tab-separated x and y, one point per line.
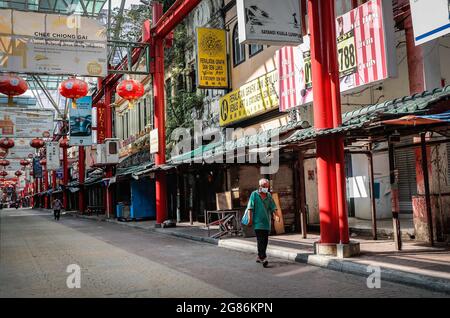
283	184
448	162
406	164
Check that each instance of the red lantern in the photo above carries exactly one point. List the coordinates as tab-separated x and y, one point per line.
24	162
12	85
3	173
43	162
31	173
64	144
4	163
18	173
130	90
6	143
37	143
3	153
73	88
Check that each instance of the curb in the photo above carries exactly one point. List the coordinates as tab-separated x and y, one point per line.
331	263
346	266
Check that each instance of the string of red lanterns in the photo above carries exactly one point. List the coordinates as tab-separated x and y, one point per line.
6	143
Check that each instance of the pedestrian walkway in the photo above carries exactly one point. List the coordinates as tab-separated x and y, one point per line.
417	264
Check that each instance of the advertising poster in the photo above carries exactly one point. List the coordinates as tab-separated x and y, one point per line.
21	149
212	58
32	42
366	55
251	99
81	123
37	168
25	123
52	153
269	22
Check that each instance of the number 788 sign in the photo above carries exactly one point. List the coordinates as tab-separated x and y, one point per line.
365	48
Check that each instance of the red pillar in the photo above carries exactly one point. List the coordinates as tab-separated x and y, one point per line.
81	173
65	174
341	202
108	134
158	89
327	114
46	188
54	180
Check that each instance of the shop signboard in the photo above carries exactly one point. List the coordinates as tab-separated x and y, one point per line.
366	55
212	58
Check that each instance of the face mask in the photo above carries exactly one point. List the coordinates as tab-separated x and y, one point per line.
264	190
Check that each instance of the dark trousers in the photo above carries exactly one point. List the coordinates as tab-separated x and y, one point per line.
57	214
262	238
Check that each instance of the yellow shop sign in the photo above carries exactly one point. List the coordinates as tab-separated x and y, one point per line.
254	98
212	58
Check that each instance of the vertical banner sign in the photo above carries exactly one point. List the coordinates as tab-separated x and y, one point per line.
154	142
37	168
101	124
431	19
212	58
81	123
269	22
366	55
52	151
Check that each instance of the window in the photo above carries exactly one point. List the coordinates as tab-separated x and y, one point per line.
145	112
238	49
254	49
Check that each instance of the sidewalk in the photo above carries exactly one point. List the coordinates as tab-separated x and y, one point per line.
417	264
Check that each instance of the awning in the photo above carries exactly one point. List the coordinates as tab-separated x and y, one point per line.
414	120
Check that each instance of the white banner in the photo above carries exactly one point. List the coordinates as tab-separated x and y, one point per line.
269	22
154	141
431	19
52	152
25	123
32	42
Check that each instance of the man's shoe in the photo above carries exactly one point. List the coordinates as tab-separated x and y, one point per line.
265	263
258	260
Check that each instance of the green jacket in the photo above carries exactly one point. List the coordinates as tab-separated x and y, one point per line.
262	210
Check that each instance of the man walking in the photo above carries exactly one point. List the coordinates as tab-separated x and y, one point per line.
261	208
57	205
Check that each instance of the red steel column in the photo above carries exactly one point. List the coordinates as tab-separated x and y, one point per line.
46	188
81	173
108	134
323	119
65	174
333	68
158	89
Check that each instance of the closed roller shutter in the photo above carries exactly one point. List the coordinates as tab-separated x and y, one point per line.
283	184
405	161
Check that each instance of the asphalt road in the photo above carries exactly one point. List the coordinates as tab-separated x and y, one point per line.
119	261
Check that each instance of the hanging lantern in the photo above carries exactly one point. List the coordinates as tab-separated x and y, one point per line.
18	173
12	85
73	88
24	163
43	162
4	163
6	143
131	90
3	153
64	144
3	173
37	143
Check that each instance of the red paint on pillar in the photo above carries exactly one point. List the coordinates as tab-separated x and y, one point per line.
81	173
108	134
65	180
46	188
335	92
158	89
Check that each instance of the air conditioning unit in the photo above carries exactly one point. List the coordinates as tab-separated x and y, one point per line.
112	150
108	153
